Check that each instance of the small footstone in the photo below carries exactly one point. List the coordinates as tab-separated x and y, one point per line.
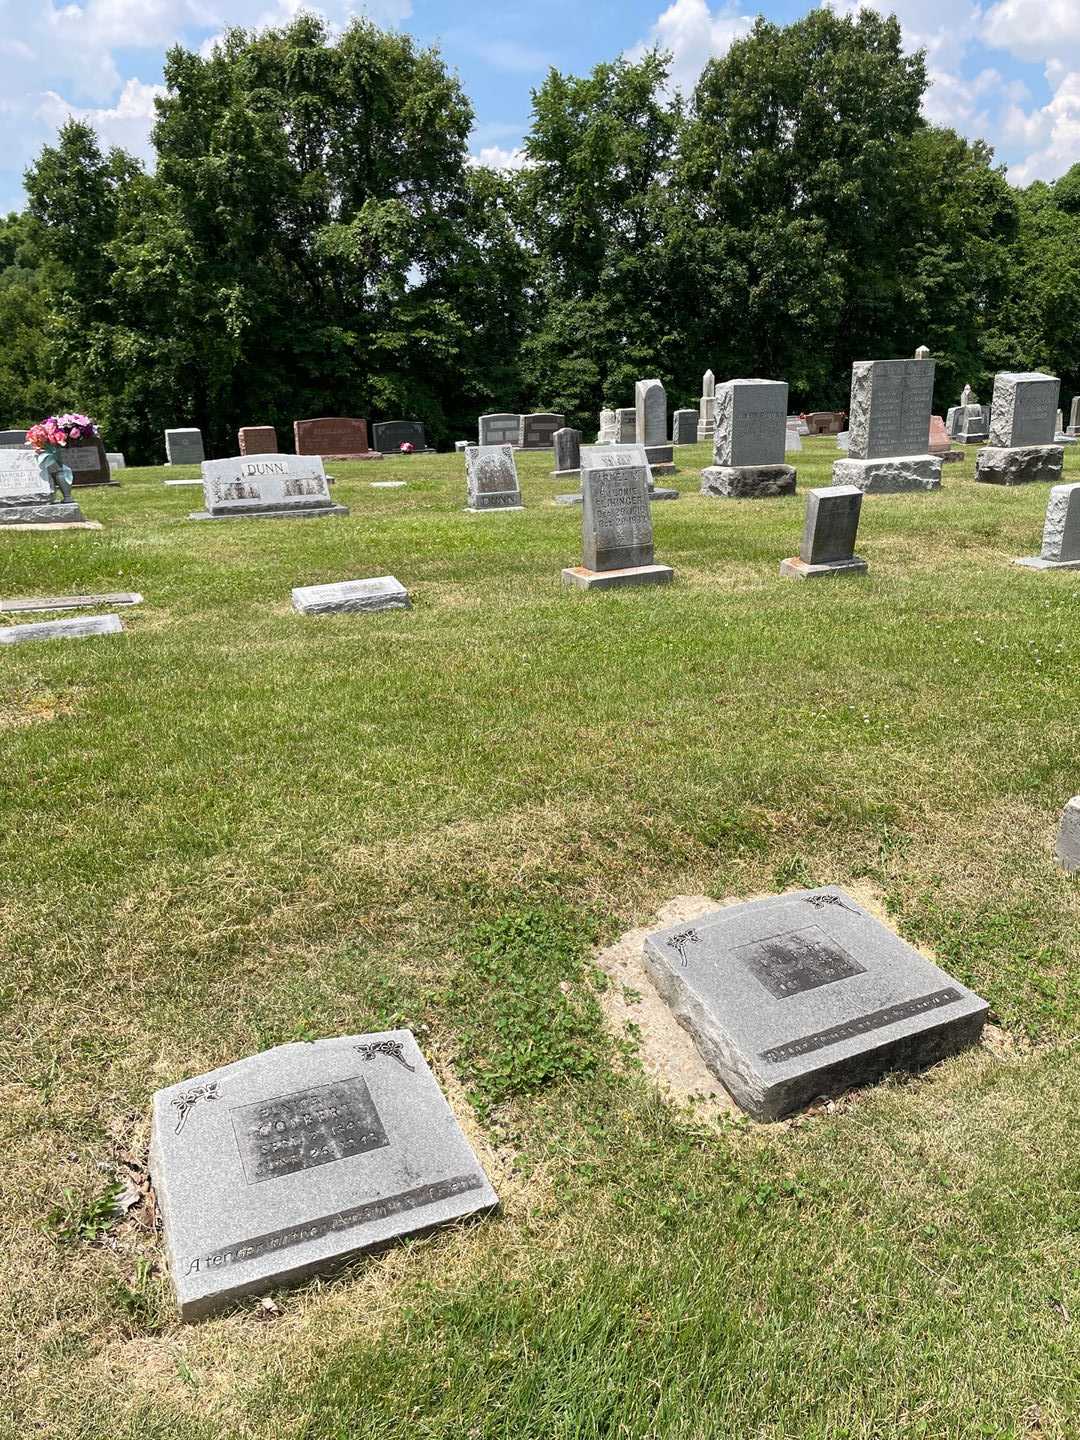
62	629
579	578
1068	843
806	994
68	602
351	597
286	1164
828	541
890	476
748	482
1019	464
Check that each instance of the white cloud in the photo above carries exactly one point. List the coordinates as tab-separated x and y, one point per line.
495	157
693	34
127	123
1035	29
1055	129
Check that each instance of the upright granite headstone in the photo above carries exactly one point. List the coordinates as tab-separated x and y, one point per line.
77	629
12	439
617	538
89	464
1061	532
184	447
389	436
567	451
26	496
333	437
538	430
258	440
1068	841
650	410
890	428
615	457
267	487
281	1166
352	597
608	433
805	994
792	439
684	427
504	429
626	426
492	478
828	542
1022	431
750	441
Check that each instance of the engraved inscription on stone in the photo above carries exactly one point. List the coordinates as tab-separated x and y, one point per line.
21	478
861	1025
616	523
891	402
797	960
307	1128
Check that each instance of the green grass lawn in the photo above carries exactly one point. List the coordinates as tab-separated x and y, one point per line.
235	826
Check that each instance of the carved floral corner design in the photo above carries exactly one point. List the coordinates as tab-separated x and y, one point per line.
392	1049
186	1101
679	942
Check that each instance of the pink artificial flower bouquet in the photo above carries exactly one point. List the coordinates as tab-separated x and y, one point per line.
407	448
59	431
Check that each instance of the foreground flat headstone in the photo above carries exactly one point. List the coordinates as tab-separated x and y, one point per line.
1061	532
26	497
352	597
257	440
889	430
491	478
617	536
750	442
184	447
62	629
283	1165
1068	841
271	487
1022	431
805	994
828	542
68	602
500	429
333	437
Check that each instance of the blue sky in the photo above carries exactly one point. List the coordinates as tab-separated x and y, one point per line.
1006	70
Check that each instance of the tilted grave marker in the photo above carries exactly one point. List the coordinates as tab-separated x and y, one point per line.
828	542
491	477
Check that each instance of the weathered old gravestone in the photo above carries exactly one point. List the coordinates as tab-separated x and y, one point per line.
567	451
62	629
266	487
538	430
334	437
609	428
491	477
750	441
1022	430
500	429
1061	532
116	460
12	439
184	447
625	426
923	352
1074	417
684	427
284	1165
824	422
1068	842
968	424
26	496
828	542
33	603
650	409
792	439
258	440
88	463
890	428
707	407
806	994
615	457
388	436
617	535
352	597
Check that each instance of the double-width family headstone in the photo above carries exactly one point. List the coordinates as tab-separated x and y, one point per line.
707	407
258	440
12	439
271	487
352	597
890	428
750	441
1061	532
26	494
825	422
805	994
567	451
285	1164
1068	841
184	447
388	436
650	409
492	478
538	430
77	629
828	542
684	427
1021	448
503	429
333	437
617	536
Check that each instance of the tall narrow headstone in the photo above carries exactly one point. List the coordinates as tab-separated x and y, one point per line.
750	441
617	537
1061	532
828	542
491	477
501	429
184	447
1022	431
890	428
567	451
609	428
1074	417
650	403
707	406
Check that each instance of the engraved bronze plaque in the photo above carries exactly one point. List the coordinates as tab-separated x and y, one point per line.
307	1128
797	960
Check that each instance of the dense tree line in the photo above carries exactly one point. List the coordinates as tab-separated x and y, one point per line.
313	240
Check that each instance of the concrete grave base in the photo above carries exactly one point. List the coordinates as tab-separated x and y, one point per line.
1036	562
62	629
1019	464
891	475
796	569
1068	841
295	512
748	482
352	597
579	578
62	513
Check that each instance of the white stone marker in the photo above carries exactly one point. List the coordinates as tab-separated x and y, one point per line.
352	597
1068	843
62	629
266	487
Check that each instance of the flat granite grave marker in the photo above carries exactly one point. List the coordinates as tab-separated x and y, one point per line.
26	495
617	537
184	447
828	542
285	1164
266	487
538	430
805	994
491	478
257	440
1068	841
1061	532
750	442
684	427
1022	431
888	449
333	437
502	429
61	629
352	597
388	436
67	602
